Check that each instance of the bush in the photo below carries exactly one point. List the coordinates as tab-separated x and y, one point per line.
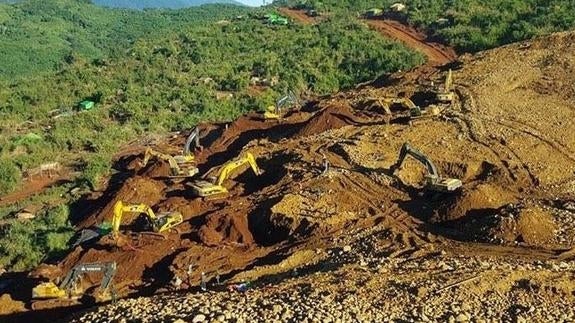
25	244
10	176
94	171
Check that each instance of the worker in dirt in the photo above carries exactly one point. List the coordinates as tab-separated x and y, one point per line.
190	272
204	282
177	282
325	165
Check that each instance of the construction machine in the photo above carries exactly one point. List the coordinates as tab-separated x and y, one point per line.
445	94
159	223
207	188
275	112
70	286
194	138
415	112
433	181
180	165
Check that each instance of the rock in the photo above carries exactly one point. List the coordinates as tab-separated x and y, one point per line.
462	318
179	321
199	318
347	249
276	308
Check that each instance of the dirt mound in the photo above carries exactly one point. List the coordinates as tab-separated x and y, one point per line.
9	306
226	229
474	203
331	117
532	226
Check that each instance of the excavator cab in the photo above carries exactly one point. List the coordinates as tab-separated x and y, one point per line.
433	181
205	188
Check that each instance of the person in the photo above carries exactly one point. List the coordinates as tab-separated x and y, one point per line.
177	282
190	272
203	283
325	165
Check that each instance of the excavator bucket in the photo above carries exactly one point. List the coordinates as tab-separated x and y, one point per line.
47	290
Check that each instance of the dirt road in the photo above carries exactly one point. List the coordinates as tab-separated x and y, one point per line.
298	15
33	186
437	54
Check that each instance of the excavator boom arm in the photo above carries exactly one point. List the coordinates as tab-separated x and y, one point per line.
406	150
171	160
194	137
109	269
120	209
226	170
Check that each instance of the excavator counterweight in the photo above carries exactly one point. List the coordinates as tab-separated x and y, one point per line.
433	181
204	188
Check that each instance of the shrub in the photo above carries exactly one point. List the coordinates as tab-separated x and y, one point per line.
10	176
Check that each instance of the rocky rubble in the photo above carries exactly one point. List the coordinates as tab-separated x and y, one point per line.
370	279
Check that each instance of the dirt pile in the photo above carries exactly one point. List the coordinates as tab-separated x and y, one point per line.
9	306
228	229
471	205
531	226
332	117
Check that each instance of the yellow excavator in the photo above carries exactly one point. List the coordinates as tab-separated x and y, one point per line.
445	94
433	181
275	112
70	287
205	188
415	111
180	165
159	223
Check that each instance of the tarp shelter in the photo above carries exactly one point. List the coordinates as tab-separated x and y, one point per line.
86	105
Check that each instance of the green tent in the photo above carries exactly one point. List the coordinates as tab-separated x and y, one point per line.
86	105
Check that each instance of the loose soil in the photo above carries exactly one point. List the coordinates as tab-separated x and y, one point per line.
516	164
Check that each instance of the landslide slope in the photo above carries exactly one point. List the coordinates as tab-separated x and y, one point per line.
508	137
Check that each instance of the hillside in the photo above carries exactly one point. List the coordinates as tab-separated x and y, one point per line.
358	241
481	228
57	32
171	4
469	25
158	84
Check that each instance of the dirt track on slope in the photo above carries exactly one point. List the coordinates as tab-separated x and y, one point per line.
437	54
298	15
